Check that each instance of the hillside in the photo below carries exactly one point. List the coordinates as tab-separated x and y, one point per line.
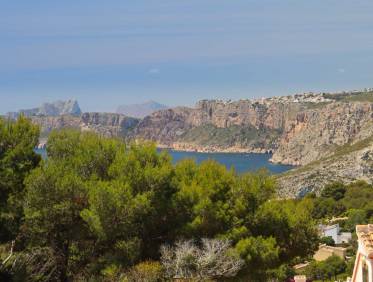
214	125
316	133
347	163
325	134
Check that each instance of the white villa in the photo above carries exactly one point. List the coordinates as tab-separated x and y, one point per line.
334	232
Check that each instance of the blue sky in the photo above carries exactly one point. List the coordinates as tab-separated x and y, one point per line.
106	53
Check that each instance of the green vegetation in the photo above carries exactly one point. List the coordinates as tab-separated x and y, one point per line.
327	241
347	205
210	135
17	159
100	210
326	270
349	148
354	201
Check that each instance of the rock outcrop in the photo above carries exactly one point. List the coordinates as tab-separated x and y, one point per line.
316	133
214	125
106	124
347	164
166	126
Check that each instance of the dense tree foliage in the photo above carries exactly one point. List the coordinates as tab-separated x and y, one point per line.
101	210
327	269
17	158
334	190
354	201
328	240
347	205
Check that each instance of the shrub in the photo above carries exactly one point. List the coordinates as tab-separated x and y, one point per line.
213	260
148	271
327	240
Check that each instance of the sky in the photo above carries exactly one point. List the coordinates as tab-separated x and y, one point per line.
113	52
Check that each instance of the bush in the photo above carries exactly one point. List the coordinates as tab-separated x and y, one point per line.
213	260
37	264
148	271
335	190
327	269
327	240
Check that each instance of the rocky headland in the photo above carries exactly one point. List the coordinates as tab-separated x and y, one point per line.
106	124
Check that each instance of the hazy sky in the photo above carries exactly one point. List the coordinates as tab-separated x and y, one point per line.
106	53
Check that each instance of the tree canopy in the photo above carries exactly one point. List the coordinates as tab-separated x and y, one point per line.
98	206
17	158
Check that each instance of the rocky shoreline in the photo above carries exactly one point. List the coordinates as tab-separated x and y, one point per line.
183	147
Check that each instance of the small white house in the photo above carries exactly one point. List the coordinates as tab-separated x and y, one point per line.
334	232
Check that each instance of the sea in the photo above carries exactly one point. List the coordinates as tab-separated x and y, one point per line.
241	162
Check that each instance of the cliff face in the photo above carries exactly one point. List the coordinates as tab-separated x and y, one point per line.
108	124
165	126
259	114
316	133
347	164
49	123
220	126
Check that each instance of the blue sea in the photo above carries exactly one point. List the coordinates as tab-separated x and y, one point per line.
242	162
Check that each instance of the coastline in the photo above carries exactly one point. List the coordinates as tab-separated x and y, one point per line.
190	148
183	147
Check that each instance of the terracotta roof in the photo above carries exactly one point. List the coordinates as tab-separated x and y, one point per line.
365	235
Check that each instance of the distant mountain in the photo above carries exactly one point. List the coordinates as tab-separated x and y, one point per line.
140	110
58	108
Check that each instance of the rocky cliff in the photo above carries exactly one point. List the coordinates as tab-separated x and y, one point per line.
106	124
215	125
316	133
